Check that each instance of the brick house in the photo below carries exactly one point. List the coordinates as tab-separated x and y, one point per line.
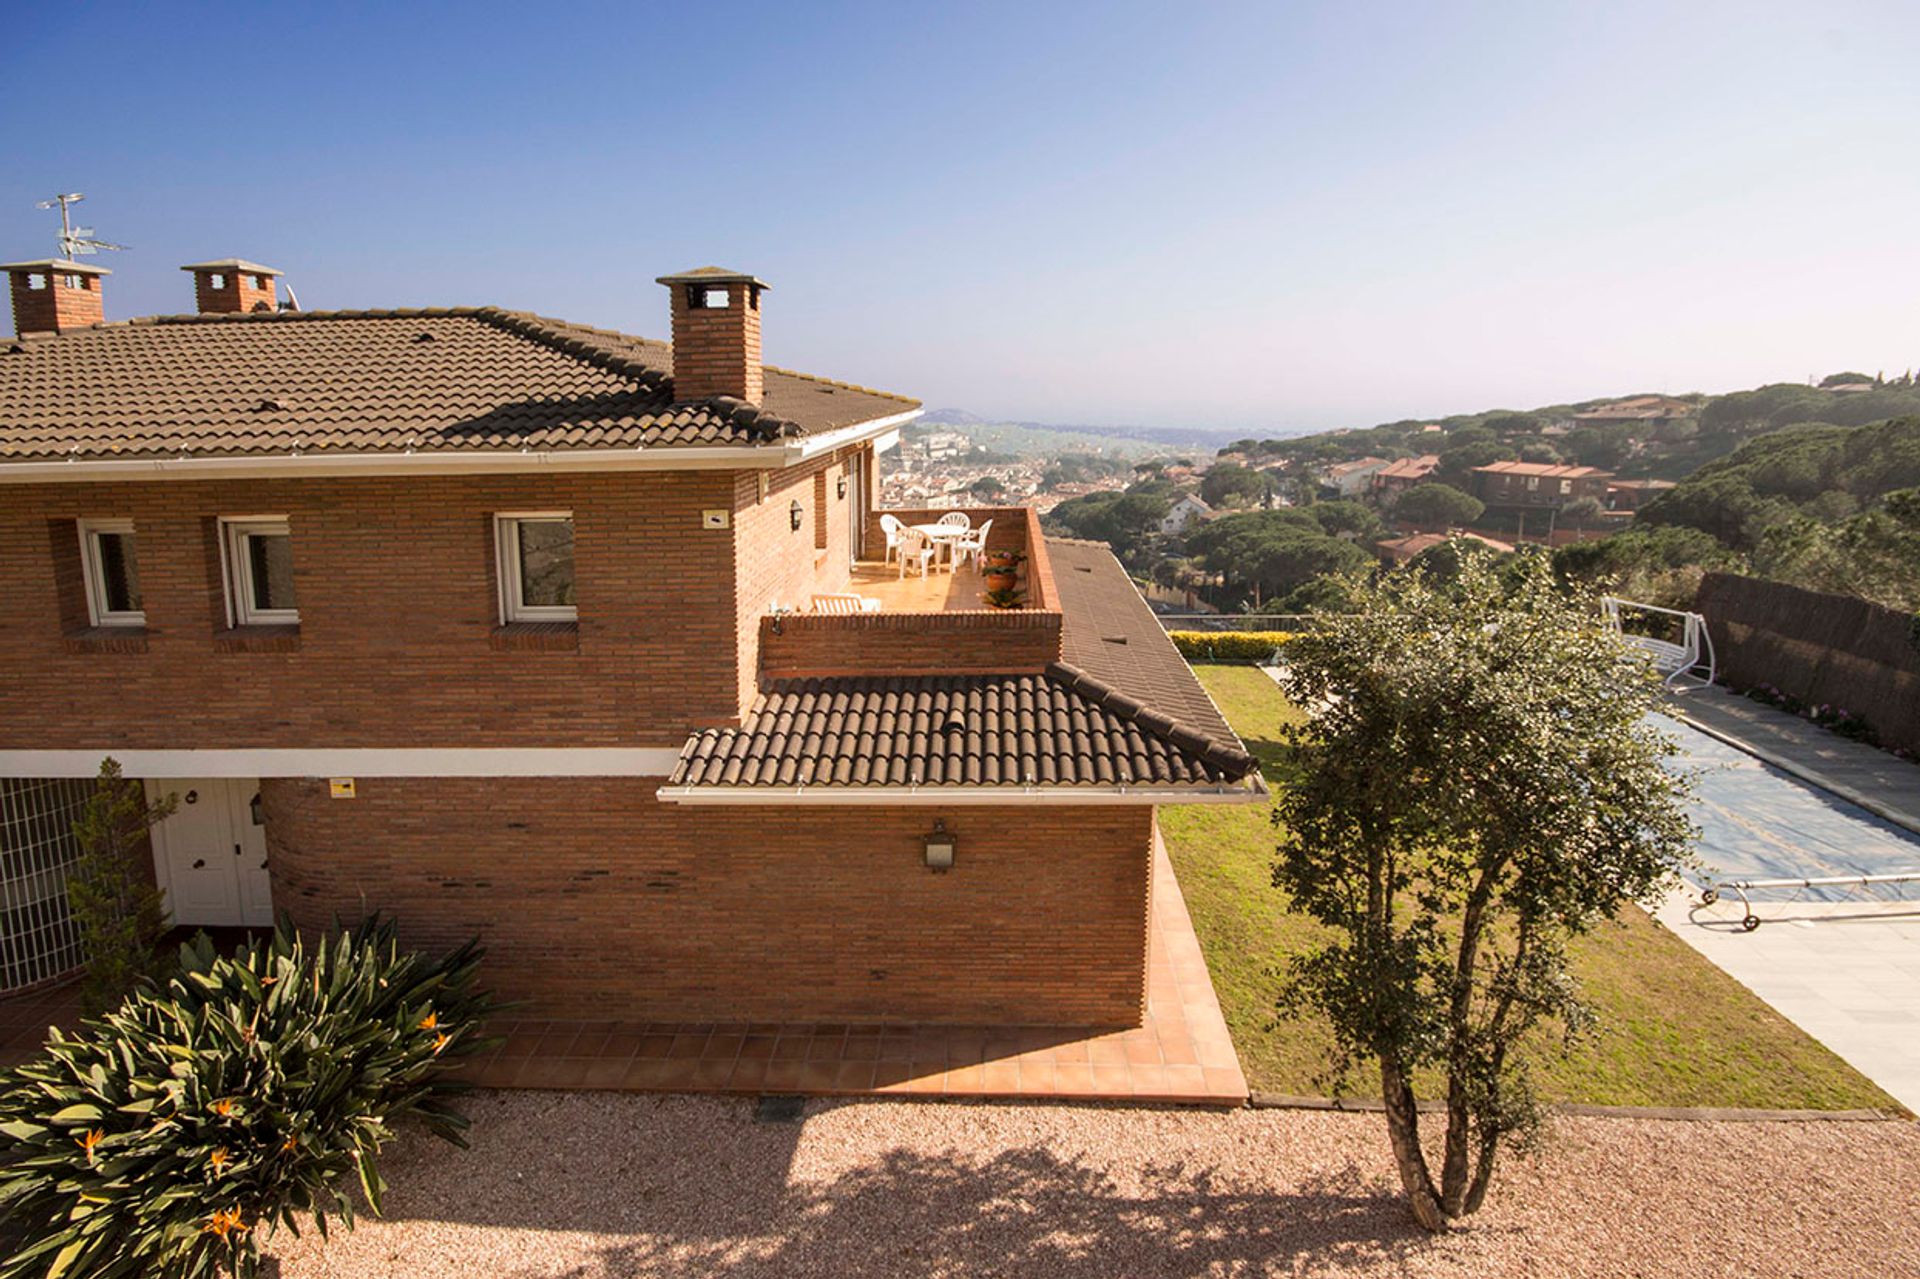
501	625
1538	484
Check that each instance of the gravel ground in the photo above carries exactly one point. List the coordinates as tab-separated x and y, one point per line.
604	1184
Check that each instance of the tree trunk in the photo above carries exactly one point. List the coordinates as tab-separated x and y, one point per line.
1403	1130
1482	1174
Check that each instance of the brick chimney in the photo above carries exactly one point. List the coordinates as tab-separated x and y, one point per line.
53	296
233	286
716	334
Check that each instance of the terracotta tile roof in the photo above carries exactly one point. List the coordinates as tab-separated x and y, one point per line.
1121	708
1057	729
1409	468
1111	633
369	381
1542	469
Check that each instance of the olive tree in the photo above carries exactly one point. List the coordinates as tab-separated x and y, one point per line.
1478	783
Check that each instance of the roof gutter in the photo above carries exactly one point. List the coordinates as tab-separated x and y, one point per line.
752	457
959	796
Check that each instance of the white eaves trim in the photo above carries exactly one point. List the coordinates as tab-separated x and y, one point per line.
956	796
750	457
478	761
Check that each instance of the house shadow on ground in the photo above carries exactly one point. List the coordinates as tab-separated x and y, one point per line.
737	1203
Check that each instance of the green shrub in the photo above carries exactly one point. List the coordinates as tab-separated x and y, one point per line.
164	1136
1228	646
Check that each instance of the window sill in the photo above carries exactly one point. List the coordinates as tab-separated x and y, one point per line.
536	637
107	639
258	639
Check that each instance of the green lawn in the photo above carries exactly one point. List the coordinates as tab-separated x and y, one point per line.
1675	1030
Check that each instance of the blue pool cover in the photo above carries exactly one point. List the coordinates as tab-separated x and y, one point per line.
1757	822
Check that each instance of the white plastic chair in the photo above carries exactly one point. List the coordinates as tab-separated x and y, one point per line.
893	528
973	545
917	549
845	605
955	519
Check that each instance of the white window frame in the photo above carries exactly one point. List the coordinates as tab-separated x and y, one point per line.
236	574
91	570
506	557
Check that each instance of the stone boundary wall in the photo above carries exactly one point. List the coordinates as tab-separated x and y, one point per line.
1820	648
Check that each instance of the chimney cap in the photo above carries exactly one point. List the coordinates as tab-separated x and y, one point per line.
712	275
237	265
54	264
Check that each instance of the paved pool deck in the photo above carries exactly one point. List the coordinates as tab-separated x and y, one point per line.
1876	780
1779	797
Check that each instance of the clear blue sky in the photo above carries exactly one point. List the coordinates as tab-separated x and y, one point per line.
1245	215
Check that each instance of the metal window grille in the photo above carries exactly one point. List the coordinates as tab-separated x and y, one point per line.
38	938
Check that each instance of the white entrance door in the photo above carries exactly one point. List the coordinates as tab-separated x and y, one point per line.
211	856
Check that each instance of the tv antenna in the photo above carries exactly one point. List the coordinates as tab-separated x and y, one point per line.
75	240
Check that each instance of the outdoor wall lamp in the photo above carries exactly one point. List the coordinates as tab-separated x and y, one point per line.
840	486
939	848
796	514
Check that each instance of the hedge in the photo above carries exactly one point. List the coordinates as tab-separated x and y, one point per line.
1228	646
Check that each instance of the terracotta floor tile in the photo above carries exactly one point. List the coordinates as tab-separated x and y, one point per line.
723	1047
1000	1077
622	1043
1113	1081
688	1046
889	1076
711	1073
756	1047
1106	1052
818	1076
1038	1078
1148	1081
654	1045
605	1072
784	1076
1073	1079
1177	1050
1221	1081
965	1079
861	1048
1214	1053
646	1073
792	1047
854	1076
1143	1052
826	1048
1074	1053
1185	1081
926	1077
748	1073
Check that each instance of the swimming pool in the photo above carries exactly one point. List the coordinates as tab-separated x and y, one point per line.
1757	822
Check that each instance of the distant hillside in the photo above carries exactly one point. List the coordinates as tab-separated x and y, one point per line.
1642	436
1170	438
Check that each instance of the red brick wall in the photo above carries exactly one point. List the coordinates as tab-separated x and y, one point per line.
596	901
778	563
55	308
239	295
716	350
952	643
394	579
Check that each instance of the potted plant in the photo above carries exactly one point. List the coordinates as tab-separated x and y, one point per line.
1001	569
1006	597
